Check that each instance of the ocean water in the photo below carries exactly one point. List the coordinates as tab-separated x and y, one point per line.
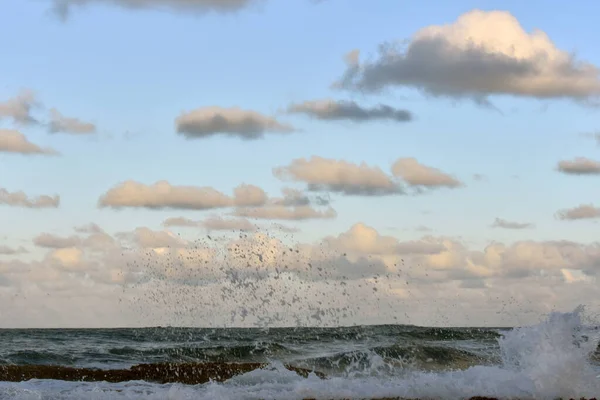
557	358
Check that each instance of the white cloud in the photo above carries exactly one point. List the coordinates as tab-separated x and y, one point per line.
68	258
481	53
364	239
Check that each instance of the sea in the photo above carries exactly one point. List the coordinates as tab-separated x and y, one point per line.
557	358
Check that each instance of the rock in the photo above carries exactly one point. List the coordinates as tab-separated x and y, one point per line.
188	373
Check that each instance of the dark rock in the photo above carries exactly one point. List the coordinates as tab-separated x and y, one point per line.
189	373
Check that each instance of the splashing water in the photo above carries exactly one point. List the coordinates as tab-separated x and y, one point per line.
545	361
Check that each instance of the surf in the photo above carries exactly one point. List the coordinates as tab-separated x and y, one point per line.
557	358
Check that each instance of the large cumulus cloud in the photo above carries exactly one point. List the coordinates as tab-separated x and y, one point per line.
481	53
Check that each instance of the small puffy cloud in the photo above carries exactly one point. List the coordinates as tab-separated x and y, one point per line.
19	108
9	251
276	212
249	195
579	166
332	110
417	174
163	195
51	241
245	124
68	258
481	53
502	223
60	123
364	239
20	199
322	174
12	141
583	211
62	8
147	238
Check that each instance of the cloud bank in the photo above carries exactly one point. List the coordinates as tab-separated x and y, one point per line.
327	280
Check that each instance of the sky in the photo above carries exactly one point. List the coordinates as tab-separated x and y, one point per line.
298	162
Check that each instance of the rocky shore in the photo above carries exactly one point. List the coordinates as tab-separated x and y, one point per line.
190	373
186	373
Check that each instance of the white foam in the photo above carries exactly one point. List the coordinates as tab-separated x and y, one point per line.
545	361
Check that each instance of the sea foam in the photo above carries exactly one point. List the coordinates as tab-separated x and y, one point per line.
545	361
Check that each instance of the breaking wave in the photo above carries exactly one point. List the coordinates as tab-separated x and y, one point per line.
557	358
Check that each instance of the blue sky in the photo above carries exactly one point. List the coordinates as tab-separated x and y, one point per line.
132	72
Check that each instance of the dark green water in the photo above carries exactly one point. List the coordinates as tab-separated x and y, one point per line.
326	349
